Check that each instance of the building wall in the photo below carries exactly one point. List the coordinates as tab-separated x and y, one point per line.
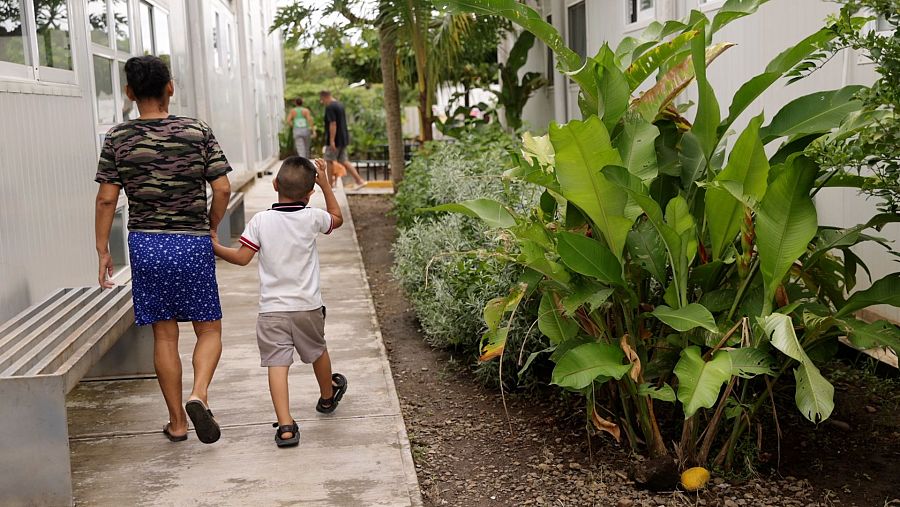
759	38
50	135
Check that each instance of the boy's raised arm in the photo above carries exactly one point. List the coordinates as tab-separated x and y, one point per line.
331	203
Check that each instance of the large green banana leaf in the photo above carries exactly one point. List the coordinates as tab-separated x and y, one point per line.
786	223
582	149
699	381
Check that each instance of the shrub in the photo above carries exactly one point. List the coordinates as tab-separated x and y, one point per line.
444	262
445	172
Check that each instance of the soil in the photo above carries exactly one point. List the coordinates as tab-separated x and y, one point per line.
470	451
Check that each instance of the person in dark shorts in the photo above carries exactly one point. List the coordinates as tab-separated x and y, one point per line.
337	137
164	162
291	309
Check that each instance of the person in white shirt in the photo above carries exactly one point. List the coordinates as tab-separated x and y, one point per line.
291	310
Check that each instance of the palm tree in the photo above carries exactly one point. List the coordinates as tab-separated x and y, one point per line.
435	39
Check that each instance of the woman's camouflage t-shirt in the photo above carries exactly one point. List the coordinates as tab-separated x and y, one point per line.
163	166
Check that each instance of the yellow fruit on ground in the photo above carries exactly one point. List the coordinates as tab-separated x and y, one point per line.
694	478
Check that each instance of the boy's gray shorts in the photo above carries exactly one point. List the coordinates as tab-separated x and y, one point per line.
279	334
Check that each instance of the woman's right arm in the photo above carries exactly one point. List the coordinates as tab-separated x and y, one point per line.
290	117
105	211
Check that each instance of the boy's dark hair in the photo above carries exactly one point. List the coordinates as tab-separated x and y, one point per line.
296	178
324	93
147	76
298	101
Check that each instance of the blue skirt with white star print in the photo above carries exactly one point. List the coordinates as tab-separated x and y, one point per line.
173	277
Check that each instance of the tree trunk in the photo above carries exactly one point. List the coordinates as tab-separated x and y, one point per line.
425	117
392	112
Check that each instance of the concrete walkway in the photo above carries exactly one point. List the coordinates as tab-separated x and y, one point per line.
359	455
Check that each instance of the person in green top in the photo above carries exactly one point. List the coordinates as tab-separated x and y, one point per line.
304	129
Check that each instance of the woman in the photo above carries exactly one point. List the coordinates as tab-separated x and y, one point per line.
304	129
164	163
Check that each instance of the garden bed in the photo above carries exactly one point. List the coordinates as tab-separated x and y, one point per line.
467	451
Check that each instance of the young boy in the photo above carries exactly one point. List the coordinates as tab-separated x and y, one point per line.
291	311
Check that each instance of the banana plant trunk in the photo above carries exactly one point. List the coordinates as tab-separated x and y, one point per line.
392	112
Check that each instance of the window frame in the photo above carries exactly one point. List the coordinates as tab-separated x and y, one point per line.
710	5
116	56
636	18
33	72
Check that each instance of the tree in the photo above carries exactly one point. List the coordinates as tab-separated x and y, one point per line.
872	144
296	19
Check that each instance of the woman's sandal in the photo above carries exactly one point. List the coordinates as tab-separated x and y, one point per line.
293	428
204	423
339	387
171	437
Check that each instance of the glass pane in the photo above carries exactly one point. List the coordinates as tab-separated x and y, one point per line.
147	29
123	25
103	91
577	32
551	67
217	54
12	40
129	111
54	43
161	30
646	4
227	44
97	17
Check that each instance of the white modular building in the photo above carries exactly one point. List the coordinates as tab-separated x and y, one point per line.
61	89
587	24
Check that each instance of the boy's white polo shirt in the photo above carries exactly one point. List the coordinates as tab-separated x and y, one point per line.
285	239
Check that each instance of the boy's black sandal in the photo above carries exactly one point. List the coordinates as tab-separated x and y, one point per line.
293	428
339	387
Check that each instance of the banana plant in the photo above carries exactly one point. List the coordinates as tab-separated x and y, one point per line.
670	268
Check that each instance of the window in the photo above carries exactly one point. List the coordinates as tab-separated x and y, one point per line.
217	47
98	18
35	42
578	29
551	66
112	44
13	43
640	10
104	90
155	32
227	47
147	28
53	40
123	25
129	111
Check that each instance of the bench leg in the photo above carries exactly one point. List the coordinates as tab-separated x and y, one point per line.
131	356
237	220
34	442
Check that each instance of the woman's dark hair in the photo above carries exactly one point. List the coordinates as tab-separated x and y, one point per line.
298	101
147	76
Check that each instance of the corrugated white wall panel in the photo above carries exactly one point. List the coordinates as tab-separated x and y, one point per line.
47	166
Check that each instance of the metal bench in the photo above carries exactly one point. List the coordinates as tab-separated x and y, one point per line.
45	351
232	223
